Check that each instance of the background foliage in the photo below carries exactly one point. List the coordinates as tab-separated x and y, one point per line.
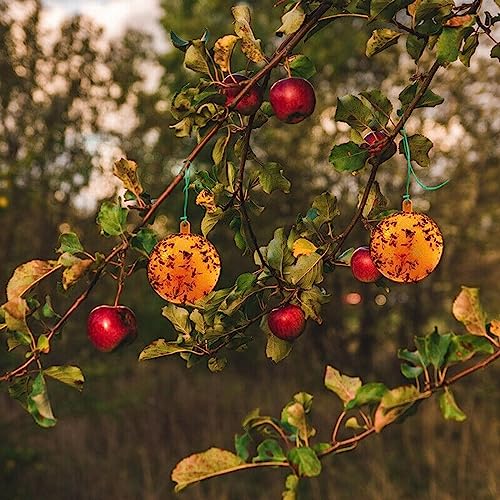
139	419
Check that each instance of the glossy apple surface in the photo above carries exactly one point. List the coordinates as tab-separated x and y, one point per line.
362	266
292	99
110	326
286	322
250	102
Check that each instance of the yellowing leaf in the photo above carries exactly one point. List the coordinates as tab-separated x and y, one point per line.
73	273
28	275
343	386
495	327
250	46
206	200
207	464
126	171
223	50
303	247
467	309
291	21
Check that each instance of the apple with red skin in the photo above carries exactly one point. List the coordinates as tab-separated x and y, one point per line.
362	266
110	326
292	99
376	141
250	102
287	322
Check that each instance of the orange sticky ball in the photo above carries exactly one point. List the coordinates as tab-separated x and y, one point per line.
406	246
183	267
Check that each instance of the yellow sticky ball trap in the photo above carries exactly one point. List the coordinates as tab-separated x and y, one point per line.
183	267
406	246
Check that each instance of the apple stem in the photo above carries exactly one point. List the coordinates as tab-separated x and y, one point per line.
121	277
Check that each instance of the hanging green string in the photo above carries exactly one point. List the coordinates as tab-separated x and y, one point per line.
187	182
411	172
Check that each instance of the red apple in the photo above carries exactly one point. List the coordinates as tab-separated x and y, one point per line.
110	326
250	102
292	99
362	266
375	142
286	322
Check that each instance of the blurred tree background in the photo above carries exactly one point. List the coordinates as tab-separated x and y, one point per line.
72	102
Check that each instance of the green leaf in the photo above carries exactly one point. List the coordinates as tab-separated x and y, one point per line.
69	375
351	110
437	348
306	272
241	445
449	407
311	302
348	157
469	48
367	394
419	149
217	364
277	349
448	45
467	309
412	356
219	149
301	66
415	46
19	390
429	99
382	107
145	240
178	42
294	414
306	461
39	404
411	372
375	203
210	220
69	242
495	52
387	9
291	487
161	347
271	178
196	57
432	9
112	219
464	347
326	209
126	171
352	423
43	344
199	466
245	282
47	309
343	386
269	451
380	40
179	317
395	403
278	254
291	21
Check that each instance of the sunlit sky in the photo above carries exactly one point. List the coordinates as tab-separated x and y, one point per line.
114	15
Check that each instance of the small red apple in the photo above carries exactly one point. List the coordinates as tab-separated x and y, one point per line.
292	99
286	322
362	266
110	326
375	142
250	102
